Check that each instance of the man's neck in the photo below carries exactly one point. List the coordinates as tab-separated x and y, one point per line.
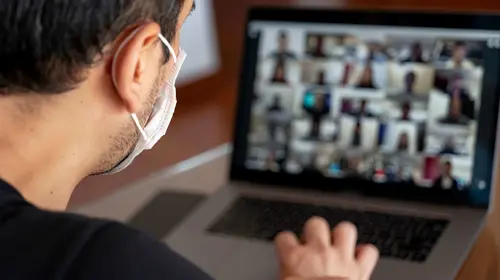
38	158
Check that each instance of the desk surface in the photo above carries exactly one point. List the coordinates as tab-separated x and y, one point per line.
207	172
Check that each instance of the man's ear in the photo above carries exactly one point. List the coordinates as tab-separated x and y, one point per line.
132	57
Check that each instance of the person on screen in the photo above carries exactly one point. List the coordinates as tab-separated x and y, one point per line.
366	81
406	111
315	46
459	59
274	113
403	143
410	79
282	52
346	77
446	180
455	115
356	135
421	136
319	110
279	76
457	90
416	54
321	78
449	148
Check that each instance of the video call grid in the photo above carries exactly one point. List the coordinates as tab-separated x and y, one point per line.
397	109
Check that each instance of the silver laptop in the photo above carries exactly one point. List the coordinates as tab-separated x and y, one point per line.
387	120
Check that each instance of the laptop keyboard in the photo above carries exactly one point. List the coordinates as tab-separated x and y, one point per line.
401	237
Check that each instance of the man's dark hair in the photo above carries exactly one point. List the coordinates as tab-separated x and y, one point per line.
459	44
283	34
47	46
406	105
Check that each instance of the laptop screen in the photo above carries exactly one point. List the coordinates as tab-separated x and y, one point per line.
379	104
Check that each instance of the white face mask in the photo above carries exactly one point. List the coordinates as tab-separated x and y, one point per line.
163	110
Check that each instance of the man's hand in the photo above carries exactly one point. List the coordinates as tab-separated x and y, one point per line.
324	254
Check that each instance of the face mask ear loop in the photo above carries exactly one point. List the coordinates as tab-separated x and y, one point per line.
170	49
139	127
113	75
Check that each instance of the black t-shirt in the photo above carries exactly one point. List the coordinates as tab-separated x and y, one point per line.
38	244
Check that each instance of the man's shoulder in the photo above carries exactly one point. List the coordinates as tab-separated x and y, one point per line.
71	246
116	251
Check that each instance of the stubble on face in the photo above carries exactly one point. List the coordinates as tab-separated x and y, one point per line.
123	143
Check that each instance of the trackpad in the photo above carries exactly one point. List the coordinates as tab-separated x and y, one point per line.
252	260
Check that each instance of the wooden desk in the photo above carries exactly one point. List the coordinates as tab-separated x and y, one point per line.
206	173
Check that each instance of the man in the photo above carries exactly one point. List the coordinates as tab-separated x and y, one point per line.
317	112
279	75
357	135
459	59
93	83
283	53
458	90
446	180
321	81
406	111
416	54
403	143
366	81
275	117
455	116
410	80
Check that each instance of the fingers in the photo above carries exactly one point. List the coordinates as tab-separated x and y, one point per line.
317	232
345	236
286	242
367	257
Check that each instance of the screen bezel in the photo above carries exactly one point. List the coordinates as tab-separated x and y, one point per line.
484	162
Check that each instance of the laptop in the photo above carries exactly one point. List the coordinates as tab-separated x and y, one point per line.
384	119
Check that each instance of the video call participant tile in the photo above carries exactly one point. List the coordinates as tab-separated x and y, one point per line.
327	72
362	107
303	130
280	72
320	45
281	44
280	57
447	173
358	133
262	157
411	50
401	137
450	145
450	114
272	114
460	85
458	54
394	168
315	106
369	76
410	81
